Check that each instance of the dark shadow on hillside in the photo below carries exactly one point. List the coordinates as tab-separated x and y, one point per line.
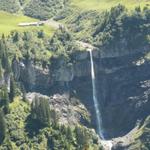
32	127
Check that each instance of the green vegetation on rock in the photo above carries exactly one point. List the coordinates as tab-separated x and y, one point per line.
116	28
2	127
44	9
24	132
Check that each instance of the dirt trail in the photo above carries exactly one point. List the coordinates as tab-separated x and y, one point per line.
53	23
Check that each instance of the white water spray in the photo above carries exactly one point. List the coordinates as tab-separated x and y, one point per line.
98	114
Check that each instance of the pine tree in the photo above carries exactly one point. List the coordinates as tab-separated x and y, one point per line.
5	62
34	108
63	129
23	94
2	48
12	89
2	127
69	134
8	143
82	137
54	117
44	112
41	34
41	111
4	55
1	71
6	101
16	37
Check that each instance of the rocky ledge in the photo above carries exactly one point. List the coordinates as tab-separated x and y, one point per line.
69	110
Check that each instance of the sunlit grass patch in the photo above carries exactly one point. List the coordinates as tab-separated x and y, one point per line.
101	5
9	22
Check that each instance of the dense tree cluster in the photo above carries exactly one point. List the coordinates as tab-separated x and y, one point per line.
2	126
41	9
4	57
28	45
24	132
44	9
11	6
36	46
41	111
63	43
117	28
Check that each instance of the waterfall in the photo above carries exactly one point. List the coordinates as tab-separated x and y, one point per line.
106	144
96	105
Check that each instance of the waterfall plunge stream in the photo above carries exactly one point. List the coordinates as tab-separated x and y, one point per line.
96	105
108	144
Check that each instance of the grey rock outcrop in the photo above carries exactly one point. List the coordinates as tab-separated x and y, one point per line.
69	110
5	80
34	77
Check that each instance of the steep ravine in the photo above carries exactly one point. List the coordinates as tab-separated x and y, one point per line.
122	81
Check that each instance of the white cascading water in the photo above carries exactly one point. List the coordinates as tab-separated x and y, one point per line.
96	105
107	144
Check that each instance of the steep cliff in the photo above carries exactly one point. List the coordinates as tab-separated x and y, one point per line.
122	85
60	66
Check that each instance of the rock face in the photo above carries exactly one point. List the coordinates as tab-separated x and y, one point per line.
123	85
64	73
123	91
5	80
34	77
68	109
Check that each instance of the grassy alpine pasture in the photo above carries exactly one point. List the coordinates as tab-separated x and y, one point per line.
101	5
9	22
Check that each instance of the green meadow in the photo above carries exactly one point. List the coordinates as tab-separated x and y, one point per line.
9	22
101	5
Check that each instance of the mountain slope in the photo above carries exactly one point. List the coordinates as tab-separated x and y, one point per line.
44	9
47	9
12	6
35	8
101	5
57	65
